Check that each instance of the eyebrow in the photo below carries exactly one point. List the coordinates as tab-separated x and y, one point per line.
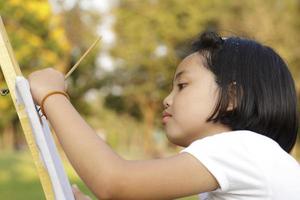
179	74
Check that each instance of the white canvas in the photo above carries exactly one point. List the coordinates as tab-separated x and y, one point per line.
45	142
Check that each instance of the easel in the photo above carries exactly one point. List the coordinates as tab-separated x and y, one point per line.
37	132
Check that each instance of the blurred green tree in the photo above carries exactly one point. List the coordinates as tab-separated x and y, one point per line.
152	36
38	40
42	39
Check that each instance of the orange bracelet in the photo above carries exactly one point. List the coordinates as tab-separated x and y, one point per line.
48	95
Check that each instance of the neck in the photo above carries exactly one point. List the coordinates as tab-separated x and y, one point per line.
212	129
216	129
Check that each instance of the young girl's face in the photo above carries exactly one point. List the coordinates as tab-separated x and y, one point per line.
191	101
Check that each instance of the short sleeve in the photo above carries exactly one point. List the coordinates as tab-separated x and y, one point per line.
226	156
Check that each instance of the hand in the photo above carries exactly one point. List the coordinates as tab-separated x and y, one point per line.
78	194
44	81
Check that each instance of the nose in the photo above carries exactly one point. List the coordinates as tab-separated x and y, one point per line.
167	101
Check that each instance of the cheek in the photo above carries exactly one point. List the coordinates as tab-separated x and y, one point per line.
191	112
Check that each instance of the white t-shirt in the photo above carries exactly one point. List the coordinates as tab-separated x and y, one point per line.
247	166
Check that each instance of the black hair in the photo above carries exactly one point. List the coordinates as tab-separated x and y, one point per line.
256	81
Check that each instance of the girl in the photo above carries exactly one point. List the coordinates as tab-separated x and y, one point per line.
233	108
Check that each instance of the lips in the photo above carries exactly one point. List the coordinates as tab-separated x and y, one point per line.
165	117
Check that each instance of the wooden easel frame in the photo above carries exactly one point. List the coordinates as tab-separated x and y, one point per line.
37	132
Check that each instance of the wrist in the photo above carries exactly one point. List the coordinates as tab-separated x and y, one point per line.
49	96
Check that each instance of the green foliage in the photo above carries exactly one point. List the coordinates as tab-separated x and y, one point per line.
37	37
38	40
152	37
80	27
143	27
42	39
18	178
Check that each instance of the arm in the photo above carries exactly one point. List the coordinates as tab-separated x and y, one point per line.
108	175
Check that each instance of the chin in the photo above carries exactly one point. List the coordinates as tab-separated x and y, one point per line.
179	141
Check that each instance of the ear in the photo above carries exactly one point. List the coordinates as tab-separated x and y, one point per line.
232	89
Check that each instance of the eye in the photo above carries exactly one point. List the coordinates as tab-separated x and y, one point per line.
181	85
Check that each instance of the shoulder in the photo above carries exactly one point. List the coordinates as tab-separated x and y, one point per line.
231	156
246	161
236	146
233	140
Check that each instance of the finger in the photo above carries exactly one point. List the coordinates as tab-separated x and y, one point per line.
75	187
78	194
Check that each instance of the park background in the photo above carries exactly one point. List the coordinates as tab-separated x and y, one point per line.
120	86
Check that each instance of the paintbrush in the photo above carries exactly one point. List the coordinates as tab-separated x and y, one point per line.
82	57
